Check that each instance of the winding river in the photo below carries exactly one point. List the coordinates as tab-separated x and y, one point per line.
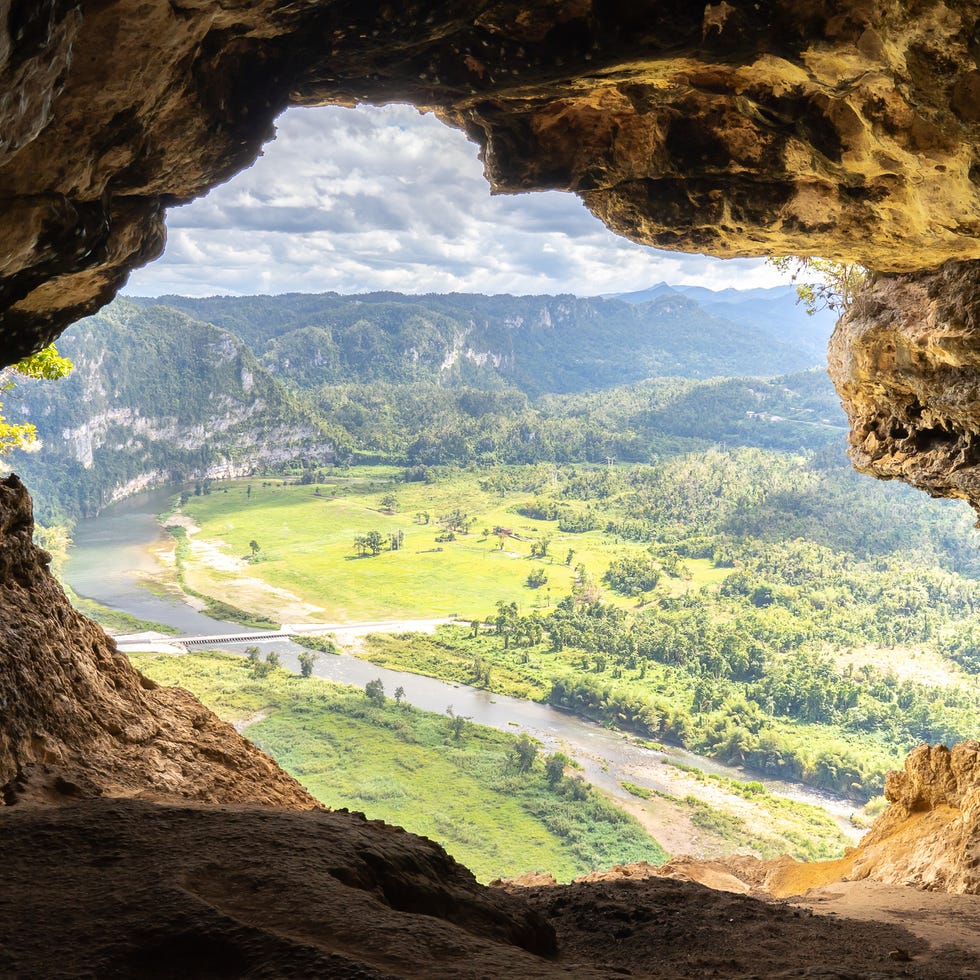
112	553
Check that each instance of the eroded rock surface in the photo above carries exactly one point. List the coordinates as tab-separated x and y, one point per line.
930	835
126	888
847	129
77	720
906	362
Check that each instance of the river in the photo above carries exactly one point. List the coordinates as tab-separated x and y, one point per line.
112	554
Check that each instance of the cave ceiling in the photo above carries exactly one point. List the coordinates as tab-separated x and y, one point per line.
842	128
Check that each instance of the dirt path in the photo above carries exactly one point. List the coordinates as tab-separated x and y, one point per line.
945	922
242	724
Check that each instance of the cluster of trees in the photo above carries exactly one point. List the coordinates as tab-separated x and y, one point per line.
515	628
374	542
632	575
751	675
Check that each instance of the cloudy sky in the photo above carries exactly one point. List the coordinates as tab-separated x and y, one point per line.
359	200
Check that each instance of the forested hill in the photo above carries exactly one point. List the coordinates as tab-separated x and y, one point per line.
776	311
189	389
156	397
538	344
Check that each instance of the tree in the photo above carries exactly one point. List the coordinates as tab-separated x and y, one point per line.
306	660
525	752
536	578
375	691
457	723
389	502
830	285
375	542
261	668
554	768
254	545
47	365
399	694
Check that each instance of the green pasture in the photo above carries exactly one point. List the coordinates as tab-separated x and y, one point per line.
306	537
405	766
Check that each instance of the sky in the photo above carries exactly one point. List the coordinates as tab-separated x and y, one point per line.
357	200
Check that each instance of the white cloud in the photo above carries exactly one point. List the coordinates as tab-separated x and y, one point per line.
366	199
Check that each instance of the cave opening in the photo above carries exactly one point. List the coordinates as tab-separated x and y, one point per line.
875	163
365	201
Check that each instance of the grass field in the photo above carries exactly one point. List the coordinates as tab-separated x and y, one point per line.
754	656
306	538
402	765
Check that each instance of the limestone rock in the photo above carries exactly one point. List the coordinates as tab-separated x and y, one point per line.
930	835
77	721
906	362
795	126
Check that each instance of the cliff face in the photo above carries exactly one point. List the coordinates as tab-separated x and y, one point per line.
906	362
930	835
158	397
78	721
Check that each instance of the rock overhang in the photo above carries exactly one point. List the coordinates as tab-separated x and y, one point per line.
844	128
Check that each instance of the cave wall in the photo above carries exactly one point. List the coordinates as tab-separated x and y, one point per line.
78	721
906	361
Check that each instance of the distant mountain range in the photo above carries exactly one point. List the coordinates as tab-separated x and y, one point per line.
538	344
176	388
775	310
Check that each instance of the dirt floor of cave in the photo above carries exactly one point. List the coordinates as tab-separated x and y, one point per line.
104	887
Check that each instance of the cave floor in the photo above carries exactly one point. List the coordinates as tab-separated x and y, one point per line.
127	888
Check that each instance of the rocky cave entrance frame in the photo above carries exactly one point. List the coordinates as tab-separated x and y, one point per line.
846	129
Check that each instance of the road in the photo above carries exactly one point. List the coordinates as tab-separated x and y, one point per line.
142	641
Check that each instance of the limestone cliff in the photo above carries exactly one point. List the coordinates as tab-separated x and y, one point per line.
930	835
76	720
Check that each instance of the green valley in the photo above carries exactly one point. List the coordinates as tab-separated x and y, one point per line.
713	600
637	510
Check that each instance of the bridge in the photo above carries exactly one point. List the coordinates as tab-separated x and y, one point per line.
222	638
140	641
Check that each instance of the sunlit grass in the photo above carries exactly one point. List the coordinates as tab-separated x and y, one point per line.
404	766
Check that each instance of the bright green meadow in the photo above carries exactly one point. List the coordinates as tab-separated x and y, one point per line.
407	767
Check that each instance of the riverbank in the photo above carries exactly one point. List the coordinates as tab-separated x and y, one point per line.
691	816
484	794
